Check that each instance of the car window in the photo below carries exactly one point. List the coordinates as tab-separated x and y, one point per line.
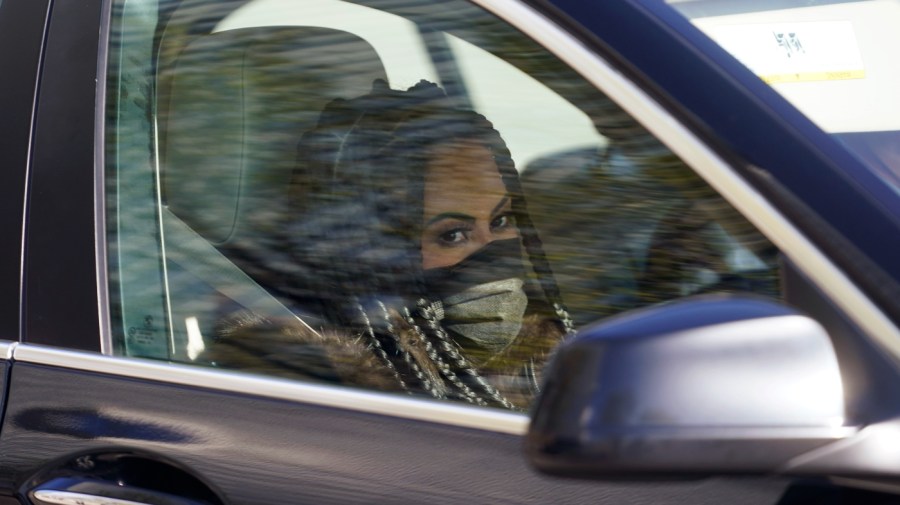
409	197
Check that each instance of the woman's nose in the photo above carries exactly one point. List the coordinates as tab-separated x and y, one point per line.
483	235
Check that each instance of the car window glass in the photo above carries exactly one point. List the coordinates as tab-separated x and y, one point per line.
398	196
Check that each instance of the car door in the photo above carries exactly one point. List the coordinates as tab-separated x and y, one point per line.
141	188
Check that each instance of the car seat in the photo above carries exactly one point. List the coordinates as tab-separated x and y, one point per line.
232	107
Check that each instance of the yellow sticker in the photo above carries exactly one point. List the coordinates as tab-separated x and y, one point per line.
814	76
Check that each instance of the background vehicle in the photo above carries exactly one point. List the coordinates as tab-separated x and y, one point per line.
145	149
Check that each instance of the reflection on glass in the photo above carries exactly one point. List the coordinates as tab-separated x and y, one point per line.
410	242
281	207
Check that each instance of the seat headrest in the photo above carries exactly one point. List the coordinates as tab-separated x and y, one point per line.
233	107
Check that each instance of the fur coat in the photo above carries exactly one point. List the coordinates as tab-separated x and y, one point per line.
249	342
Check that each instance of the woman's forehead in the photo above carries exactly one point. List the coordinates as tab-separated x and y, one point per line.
461	163
462	177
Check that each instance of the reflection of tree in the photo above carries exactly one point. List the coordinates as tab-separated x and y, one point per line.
593	229
233	107
229	109
134	242
623	226
626	225
632	225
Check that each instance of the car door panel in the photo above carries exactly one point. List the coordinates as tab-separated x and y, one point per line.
253	449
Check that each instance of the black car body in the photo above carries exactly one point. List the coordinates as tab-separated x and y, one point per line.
89	412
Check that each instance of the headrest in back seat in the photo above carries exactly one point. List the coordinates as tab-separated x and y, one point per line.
233	106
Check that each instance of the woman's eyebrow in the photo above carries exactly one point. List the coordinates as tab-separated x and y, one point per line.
450	215
500	205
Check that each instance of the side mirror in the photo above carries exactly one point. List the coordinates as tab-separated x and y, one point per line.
710	385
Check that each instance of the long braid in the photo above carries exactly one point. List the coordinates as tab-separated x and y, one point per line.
429	313
407	357
433	315
379	349
531	241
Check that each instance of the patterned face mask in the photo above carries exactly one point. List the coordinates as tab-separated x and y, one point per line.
483	296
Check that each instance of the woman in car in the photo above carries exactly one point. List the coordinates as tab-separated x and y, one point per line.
412	245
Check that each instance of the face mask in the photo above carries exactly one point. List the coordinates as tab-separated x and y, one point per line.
483	296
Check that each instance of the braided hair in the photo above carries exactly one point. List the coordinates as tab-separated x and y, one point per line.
357	210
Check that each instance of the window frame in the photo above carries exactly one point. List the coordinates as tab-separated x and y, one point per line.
61	299
22	27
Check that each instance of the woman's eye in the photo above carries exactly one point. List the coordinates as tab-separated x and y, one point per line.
456	236
502	222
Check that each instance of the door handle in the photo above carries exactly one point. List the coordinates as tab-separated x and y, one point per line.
87	491
57	497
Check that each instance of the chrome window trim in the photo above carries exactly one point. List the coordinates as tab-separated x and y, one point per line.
100	242
359	400
7	349
712	168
